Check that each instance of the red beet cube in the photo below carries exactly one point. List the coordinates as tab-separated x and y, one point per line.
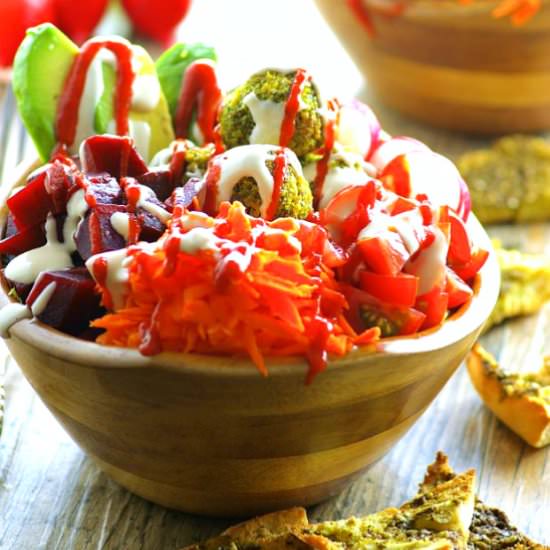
74	302
115	155
160	181
25	239
105	189
95	234
31	204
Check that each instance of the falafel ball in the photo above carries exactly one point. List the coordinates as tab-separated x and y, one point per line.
246	174
253	113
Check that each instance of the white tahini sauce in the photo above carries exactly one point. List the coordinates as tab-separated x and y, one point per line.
11	314
154	209
41	302
53	256
76	210
145	93
354	129
429	266
268	118
197	239
121	224
250	161
117	273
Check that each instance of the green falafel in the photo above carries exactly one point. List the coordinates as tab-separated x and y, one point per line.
246	174
253	113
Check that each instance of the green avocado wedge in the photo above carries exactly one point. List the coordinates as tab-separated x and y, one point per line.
41	66
173	63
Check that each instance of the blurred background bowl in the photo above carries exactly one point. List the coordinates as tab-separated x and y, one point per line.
452	65
209	435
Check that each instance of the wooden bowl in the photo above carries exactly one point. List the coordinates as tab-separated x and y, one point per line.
452	65
209	435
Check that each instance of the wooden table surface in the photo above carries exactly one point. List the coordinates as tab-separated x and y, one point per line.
53	497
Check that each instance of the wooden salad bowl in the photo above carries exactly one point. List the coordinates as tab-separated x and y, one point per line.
451	65
210	435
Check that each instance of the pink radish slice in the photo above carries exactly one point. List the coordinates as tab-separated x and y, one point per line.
426	173
358	128
393	147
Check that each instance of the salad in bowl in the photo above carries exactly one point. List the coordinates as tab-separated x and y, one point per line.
263	221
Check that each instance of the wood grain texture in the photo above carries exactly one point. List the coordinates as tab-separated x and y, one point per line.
234	443
454	66
53	497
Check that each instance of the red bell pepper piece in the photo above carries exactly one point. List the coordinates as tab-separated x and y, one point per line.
397	291
468	270
384	255
459	292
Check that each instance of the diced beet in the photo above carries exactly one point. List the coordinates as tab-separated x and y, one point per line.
160	181
95	234
183	196
74	302
31	204
151	227
22	290
113	154
25	239
57	183
105	189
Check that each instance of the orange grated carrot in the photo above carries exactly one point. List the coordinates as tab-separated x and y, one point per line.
257	293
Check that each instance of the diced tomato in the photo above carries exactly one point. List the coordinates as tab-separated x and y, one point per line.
398	291
459	292
434	305
365	311
468	270
386	254
460	249
396	176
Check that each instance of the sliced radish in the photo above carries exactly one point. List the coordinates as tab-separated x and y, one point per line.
358	128
426	173
393	147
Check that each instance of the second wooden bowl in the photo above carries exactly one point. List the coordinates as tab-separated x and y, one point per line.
452	65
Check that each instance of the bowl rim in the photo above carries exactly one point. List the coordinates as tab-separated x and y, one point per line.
467	319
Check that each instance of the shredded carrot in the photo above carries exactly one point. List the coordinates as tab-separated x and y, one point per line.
251	288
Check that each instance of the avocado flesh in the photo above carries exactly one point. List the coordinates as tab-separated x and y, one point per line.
173	63
41	66
158	119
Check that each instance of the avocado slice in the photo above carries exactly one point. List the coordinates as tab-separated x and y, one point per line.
158	118
173	63
40	68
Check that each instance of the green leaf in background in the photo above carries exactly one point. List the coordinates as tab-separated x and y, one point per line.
173	63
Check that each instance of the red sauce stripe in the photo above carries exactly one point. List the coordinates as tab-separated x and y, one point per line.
279	167
292	106
69	102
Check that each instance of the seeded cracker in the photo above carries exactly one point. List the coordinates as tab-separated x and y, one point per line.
511	181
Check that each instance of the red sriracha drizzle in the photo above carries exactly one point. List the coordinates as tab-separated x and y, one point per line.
100	268
322	165
292	106
199	90
69	102
279	166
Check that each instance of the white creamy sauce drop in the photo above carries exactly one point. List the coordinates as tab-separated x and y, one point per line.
11	314
145	93
268	118
197	239
121	224
154	209
250	161
429	266
53	256
40	304
163	157
117	273
76	210
140	132
196	219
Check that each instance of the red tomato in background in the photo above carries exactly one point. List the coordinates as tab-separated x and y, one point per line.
79	19
156	19
16	16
